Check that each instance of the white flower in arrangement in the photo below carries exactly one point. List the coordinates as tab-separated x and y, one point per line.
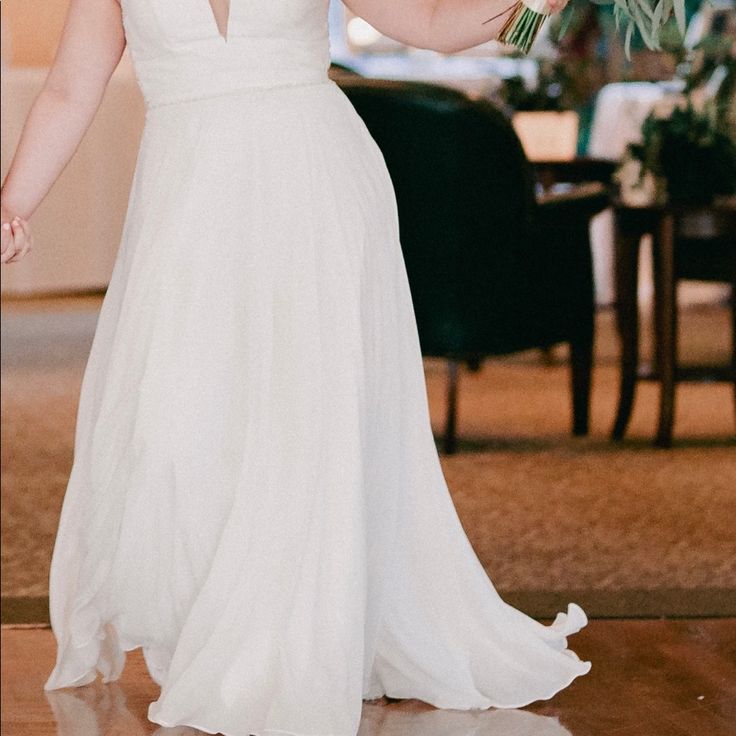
664	107
637	187
700	98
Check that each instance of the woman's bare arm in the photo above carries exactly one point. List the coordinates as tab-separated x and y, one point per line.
442	25
90	48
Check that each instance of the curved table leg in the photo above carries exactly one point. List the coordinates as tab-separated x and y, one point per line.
665	298
627	318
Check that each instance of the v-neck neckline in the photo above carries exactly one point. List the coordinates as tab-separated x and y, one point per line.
223	37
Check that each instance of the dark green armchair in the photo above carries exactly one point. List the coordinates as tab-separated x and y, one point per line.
491	270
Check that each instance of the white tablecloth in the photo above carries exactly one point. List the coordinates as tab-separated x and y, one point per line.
620	110
77	227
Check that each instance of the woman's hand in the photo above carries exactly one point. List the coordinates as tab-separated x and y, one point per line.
556	6
16	239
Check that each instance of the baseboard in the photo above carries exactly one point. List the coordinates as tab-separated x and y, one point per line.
659	603
629	603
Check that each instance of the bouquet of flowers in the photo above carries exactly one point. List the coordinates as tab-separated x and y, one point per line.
647	16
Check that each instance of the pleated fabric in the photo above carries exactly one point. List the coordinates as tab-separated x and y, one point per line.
256	499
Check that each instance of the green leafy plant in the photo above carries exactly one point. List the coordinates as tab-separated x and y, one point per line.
713	63
688	145
688	152
648	17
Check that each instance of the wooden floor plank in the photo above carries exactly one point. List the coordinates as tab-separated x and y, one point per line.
649	678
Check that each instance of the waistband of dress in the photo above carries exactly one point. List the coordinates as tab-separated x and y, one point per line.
202	71
236	90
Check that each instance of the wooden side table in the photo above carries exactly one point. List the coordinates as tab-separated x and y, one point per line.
670	227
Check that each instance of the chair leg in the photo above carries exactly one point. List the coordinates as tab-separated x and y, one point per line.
733	342
581	367
450	441
665	295
627	321
581	356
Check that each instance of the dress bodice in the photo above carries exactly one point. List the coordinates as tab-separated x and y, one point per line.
179	53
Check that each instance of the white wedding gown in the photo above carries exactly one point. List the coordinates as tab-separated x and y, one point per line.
256	499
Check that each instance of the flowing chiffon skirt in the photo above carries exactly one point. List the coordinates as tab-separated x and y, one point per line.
256	499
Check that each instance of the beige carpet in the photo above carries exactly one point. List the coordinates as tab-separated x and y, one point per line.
625	529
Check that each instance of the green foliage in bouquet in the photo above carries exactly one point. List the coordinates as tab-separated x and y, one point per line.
648	17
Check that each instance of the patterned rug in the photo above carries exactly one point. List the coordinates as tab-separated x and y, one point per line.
623	529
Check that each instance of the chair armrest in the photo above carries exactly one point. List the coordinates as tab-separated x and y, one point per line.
560	260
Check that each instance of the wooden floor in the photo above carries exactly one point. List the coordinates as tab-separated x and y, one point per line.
649	678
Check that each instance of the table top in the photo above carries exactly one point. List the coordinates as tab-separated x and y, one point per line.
698	221
726	204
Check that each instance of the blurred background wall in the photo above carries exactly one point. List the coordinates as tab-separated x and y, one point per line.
31	30
78	225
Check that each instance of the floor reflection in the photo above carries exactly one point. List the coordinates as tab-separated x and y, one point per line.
93	710
380	720
101	710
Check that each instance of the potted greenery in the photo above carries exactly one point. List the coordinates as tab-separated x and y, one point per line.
688	148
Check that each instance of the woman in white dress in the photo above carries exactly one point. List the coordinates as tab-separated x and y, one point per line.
256	499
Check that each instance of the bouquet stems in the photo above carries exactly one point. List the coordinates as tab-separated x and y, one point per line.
522	26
